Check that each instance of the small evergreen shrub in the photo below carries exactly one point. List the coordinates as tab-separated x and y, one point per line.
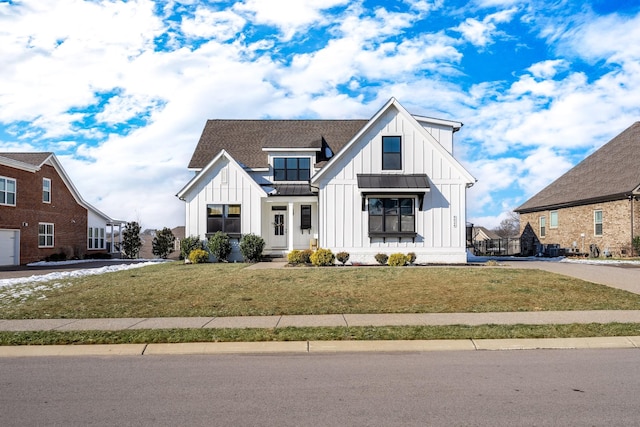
343	257
411	257
198	256
188	244
220	246
251	247
131	242
382	258
397	260
162	244
322	257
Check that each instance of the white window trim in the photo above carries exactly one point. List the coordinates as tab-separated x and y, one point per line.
596	223
551	219
15	192
541	227
46	191
53	234
93	234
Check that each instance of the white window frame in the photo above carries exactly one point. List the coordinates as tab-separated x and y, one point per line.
542	226
553	219
46	235
46	190
95	238
597	222
4	192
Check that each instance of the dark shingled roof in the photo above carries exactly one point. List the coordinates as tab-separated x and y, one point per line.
292	190
33	159
245	139
610	173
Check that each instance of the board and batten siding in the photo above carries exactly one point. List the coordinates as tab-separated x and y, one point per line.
224	183
344	224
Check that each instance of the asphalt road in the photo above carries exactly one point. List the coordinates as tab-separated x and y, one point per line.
505	388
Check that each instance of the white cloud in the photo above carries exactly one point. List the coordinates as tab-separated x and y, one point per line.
548	69
483	33
218	25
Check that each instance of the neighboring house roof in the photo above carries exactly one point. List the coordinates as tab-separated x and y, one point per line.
610	173
482	233
245	140
33	162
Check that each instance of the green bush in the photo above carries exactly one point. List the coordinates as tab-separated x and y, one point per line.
198	256
382	258
343	257
322	257
162	244
188	244
251	247
636	245
299	257
397	260
131	242
220	246
411	257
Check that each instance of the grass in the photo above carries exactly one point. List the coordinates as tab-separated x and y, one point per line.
179	290
319	334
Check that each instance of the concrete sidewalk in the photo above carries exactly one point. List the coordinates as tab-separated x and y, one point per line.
329	320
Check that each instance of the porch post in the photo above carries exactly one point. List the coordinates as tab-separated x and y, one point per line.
291	227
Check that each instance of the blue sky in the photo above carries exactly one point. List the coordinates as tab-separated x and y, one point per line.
120	90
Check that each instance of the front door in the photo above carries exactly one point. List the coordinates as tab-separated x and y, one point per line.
279	227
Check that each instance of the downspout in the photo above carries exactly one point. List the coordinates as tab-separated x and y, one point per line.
632	213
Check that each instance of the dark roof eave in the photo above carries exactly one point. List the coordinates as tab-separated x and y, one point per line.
591	201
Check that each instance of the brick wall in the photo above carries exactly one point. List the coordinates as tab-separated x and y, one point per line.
574	221
68	217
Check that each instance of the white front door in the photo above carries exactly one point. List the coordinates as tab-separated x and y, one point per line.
279	227
9	247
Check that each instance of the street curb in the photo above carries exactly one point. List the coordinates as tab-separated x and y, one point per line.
320	347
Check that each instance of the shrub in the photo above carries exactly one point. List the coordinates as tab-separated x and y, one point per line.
198	256
322	257
397	260
382	258
131	242
188	244
636	245
220	246
299	257
251	247
162	244
411	257
343	257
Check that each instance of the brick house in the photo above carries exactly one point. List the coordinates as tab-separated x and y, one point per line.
42	213
593	208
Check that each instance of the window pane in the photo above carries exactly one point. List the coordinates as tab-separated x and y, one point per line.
214	210
375	207
292	174
234	211
279	175
375	223
3	184
406	206
407	223
553	219
278	163
598	216
232	225
292	163
214	224
391	162
391	144
304	163
11	199
598	229
391	223
391	206
304	175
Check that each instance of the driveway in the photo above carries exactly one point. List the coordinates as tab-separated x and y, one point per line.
620	276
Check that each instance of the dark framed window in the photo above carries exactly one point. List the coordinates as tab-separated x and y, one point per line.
291	169
305	217
392	216
225	218
391	153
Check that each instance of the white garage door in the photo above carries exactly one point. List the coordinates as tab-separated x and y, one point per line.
9	247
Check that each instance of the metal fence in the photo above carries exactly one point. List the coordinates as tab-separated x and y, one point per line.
497	247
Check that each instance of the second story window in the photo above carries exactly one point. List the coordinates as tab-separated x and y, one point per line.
391	153
46	190
291	169
543	226
7	191
597	223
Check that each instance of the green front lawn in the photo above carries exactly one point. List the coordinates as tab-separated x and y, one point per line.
179	290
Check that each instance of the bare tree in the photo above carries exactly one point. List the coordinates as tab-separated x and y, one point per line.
509	227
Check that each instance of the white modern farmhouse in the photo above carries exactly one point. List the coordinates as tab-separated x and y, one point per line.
384	185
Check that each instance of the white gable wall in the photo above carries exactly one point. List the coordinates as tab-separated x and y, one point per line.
223	183
440	224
